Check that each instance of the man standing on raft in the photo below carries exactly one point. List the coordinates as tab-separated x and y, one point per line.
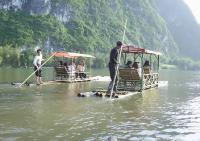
113	66
37	63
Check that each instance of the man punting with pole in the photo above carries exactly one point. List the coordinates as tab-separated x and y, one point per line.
37	67
114	55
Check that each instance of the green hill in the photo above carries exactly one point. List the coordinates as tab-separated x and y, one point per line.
182	25
81	26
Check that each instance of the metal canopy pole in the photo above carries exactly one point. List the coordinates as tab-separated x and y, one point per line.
142	70
158	62
54	67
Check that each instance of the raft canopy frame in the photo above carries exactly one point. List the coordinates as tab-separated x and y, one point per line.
128	80
73	56
135	49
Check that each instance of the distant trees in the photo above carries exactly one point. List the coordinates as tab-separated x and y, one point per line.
183	63
9	56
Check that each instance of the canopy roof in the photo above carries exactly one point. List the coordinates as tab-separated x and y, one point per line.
136	49
71	55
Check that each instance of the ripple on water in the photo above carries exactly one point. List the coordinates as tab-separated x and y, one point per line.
164	137
193	85
190	137
61	135
9	138
177	130
14	130
148	132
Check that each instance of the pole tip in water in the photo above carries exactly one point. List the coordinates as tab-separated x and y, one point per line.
98	94
116	96
12	83
79	95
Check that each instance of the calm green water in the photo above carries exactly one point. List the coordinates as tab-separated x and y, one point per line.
54	113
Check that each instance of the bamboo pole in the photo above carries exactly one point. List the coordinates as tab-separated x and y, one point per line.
36	70
119	56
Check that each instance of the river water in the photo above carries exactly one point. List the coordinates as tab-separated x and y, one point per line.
54	113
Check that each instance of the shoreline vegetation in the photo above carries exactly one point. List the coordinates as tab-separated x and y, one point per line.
162	67
14	57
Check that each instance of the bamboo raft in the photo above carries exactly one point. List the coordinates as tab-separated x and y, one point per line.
30	84
102	93
73	80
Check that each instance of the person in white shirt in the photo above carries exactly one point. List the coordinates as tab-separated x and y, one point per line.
139	70
72	69
81	70
37	66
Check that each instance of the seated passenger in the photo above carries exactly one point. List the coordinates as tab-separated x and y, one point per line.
60	64
66	66
146	67
72	68
135	66
81	70
129	64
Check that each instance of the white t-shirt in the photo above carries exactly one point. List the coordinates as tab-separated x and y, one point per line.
72	68
81	68
37	60
139	70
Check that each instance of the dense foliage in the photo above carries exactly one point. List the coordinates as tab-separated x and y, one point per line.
20	32
19	29
93	27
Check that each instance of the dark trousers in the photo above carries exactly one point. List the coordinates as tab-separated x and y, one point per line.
81	75
38	73
112	69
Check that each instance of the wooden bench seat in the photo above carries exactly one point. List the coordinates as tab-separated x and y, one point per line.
62	72
129	79
129	74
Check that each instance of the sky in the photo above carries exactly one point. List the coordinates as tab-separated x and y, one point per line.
195	8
